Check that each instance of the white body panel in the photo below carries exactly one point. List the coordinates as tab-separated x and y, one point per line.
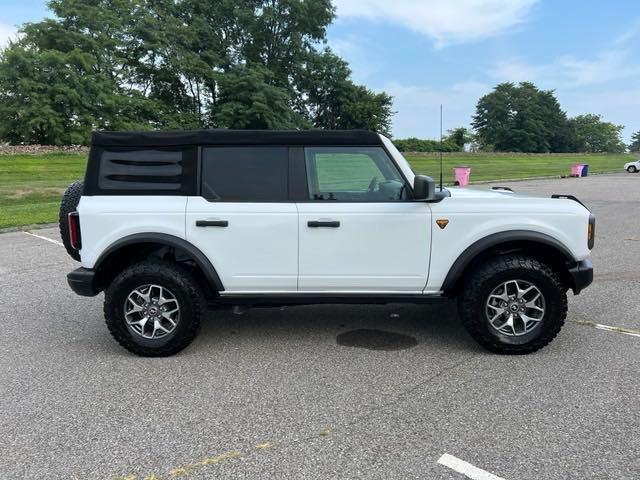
475	214
109	218
379	247
257	252
392	247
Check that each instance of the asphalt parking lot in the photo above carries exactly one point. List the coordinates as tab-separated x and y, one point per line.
284	394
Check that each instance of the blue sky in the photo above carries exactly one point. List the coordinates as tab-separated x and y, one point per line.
427	52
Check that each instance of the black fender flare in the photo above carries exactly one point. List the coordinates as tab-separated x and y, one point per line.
170	241
490	241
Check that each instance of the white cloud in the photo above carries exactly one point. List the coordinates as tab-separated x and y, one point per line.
445	21
7	32
629	33
363	65
570	71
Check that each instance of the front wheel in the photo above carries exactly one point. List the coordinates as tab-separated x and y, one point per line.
513	305
153	308
632	169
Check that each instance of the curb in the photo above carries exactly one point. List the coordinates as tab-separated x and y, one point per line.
23	228
548	177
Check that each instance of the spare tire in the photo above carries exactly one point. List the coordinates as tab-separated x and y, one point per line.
69	204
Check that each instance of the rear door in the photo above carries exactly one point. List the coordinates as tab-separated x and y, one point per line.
359	231
243	220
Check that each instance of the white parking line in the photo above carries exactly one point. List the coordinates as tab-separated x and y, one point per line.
45	238
623	331
608	328
466	469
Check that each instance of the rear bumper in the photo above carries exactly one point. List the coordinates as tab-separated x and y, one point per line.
83	282
581	275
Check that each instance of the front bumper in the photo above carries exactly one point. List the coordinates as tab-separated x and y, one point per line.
581	275
83	281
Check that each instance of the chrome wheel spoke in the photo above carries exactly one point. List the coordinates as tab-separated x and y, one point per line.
140	322
136	307
162	300
526	319
143	295
158	326
168	318
534	307
151	311
515	307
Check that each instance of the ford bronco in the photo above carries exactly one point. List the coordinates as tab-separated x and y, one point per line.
168	224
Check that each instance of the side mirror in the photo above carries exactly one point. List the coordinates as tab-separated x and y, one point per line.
424	188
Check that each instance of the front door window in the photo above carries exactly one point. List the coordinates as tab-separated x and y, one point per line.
353	174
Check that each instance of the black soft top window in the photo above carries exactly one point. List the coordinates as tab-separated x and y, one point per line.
141	171
245	174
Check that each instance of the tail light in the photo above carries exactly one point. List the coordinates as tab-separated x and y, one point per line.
74	230
591	231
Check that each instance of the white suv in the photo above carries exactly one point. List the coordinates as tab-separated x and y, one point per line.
632	167
170	223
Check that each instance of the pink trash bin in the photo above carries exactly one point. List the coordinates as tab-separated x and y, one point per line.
576	169
461	175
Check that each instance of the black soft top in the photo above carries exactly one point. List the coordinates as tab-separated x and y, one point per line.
236	137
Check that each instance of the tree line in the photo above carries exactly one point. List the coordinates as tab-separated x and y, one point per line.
264	64
162	64
523	118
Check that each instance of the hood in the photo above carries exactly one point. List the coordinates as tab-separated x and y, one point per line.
481	200
488	194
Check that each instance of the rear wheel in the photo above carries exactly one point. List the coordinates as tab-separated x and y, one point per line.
632	169
513	305
154	308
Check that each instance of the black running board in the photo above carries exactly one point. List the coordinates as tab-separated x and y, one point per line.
275	299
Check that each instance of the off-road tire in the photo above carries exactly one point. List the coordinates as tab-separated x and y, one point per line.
632	169
69	204
488	276
183	286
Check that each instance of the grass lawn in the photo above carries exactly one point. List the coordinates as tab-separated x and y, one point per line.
31	185
494	166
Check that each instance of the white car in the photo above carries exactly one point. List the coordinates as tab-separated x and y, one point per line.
632	167
169	223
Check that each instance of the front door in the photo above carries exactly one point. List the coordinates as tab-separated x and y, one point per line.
359	233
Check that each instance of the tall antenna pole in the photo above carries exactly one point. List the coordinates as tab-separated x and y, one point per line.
441	187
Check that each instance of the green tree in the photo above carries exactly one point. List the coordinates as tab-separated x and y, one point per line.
634	146
459	137
333	101
522	118
595	136
248	100
121	64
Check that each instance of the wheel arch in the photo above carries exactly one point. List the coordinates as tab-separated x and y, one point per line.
139	246
538	245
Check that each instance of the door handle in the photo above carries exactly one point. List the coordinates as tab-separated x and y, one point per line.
212	223
323	223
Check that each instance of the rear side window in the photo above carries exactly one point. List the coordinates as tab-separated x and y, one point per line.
141	171
245	174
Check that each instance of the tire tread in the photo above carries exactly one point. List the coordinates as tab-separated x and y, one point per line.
158	268
469	299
